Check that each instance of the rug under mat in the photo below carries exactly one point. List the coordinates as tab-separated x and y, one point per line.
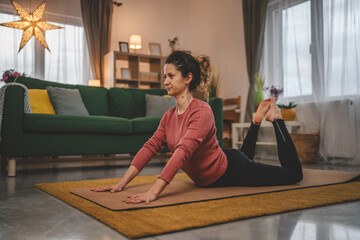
154	221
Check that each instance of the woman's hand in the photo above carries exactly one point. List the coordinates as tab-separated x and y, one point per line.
114	188
129	175
141	197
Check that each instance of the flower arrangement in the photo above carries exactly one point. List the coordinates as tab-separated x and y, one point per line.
8	74
287	106
259	83
273	91
173	42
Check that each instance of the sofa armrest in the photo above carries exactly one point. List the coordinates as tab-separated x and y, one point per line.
216	105
12	122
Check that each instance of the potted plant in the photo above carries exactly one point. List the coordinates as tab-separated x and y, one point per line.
287	111
213	86
259	83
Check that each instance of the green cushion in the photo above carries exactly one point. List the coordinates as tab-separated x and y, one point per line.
76	124
145	124
95	100
67	101
156	106
130	102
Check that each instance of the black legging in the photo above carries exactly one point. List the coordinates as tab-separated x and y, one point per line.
243	171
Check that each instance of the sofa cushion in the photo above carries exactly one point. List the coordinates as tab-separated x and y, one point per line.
67	101
145	124
76	124
156	106
95	99
40	101
130	102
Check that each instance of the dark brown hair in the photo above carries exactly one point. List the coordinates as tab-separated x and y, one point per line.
199	67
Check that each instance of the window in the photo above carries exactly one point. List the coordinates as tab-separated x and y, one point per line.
296	55
68	61
312	48
9	47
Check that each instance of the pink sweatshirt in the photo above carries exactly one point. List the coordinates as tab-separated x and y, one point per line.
191	137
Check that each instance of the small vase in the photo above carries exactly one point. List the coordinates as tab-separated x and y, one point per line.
288	114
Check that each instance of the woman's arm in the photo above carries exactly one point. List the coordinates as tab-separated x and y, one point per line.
150	148
128	176
150	195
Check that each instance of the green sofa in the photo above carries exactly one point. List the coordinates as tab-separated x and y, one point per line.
116	125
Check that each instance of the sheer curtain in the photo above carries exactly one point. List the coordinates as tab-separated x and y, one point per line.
9	47
68	61
312	50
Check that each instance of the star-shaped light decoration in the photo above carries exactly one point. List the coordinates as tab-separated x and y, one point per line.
31	24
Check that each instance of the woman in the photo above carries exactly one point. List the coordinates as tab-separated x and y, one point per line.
189	130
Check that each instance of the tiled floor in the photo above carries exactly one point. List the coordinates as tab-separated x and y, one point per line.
27	213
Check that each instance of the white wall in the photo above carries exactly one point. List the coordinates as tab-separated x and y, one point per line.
210	27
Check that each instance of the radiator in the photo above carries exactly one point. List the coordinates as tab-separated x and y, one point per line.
337	129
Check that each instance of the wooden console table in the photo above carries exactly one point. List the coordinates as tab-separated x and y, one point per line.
237	138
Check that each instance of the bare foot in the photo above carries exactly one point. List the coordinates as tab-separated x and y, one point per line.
261	111
274	112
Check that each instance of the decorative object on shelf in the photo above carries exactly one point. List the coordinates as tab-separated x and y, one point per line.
173	43
155	49
31	24
9	74
259	83
287	111
125	73
94	83
273	91
124	47
117	4
135	42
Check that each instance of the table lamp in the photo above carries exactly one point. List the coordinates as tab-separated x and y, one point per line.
135	42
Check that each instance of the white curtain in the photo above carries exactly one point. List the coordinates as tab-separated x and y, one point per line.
312	51
22	62
68	61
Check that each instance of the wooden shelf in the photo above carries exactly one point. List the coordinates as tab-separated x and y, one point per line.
119	80
138	64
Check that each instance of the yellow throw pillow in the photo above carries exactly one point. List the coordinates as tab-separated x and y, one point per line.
40	101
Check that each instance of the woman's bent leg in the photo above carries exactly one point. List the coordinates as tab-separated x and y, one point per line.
287	154
242	171
249	144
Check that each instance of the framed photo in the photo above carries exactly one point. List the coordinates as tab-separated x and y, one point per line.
124	47
125	73
155	49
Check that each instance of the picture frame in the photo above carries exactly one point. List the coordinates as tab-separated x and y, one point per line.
124	46
155	49
125	73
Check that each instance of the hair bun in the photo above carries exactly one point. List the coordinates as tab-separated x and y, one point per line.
201	91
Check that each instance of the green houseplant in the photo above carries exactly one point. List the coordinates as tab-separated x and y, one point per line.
259	83
287	111
213	86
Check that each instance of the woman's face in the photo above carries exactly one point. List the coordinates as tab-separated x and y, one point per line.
174	82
